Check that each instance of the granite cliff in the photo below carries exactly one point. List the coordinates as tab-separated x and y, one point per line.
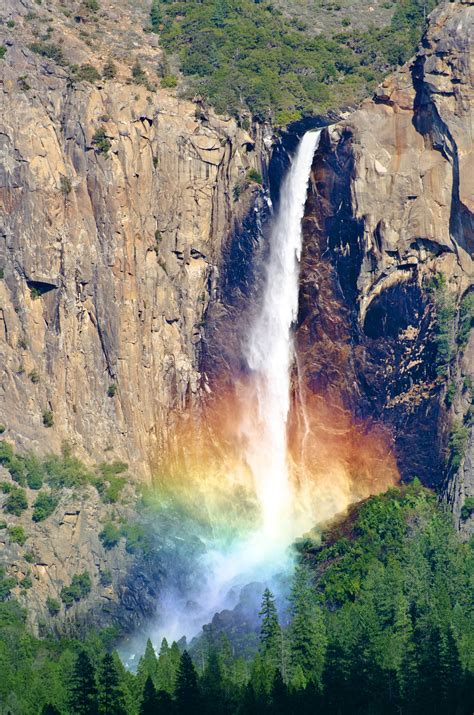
116	199
386	284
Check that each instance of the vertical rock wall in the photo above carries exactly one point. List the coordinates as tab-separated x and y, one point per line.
392	211
108	257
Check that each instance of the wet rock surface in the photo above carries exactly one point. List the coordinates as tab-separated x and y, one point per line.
391	209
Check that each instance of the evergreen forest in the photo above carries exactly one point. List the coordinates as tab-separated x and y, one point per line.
245	57
379	620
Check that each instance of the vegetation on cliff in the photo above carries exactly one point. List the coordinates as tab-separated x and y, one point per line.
247	56
58	472
380	620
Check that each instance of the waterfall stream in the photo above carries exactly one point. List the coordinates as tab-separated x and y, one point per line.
269	350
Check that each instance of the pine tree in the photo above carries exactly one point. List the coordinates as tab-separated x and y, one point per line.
270	631
280	697
111	695
262	674
147	666
83	696
156	16
164	701
128	683
308	639
49	709
168	661
212	682
187	689
337	678
149	701
250	704
298	681
451	673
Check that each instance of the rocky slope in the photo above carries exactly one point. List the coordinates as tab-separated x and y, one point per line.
391	211
116	198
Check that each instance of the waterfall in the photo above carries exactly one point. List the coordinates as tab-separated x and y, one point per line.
262	553
269	349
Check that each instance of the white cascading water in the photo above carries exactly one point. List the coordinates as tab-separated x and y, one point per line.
269	350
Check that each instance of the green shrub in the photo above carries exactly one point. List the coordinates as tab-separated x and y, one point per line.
105	577
49	50
91	5
457	445
26	582
34	471
467	508
10	23
169	81
85	73
100	141
140	77
34	377
466	319
3	51
109	71
450	394
61	471
156	16
23	83
17	470
17	535
136	538
112	390
53	606
445	312
29	557
48	418
240	186
14	464
80	587
255	176
110	535
66	471
44	506
110	484
16	502
2	429
6	453
138	73
65	184
6	585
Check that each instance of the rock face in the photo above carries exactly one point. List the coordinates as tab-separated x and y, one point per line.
65	544
390	212
115	202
